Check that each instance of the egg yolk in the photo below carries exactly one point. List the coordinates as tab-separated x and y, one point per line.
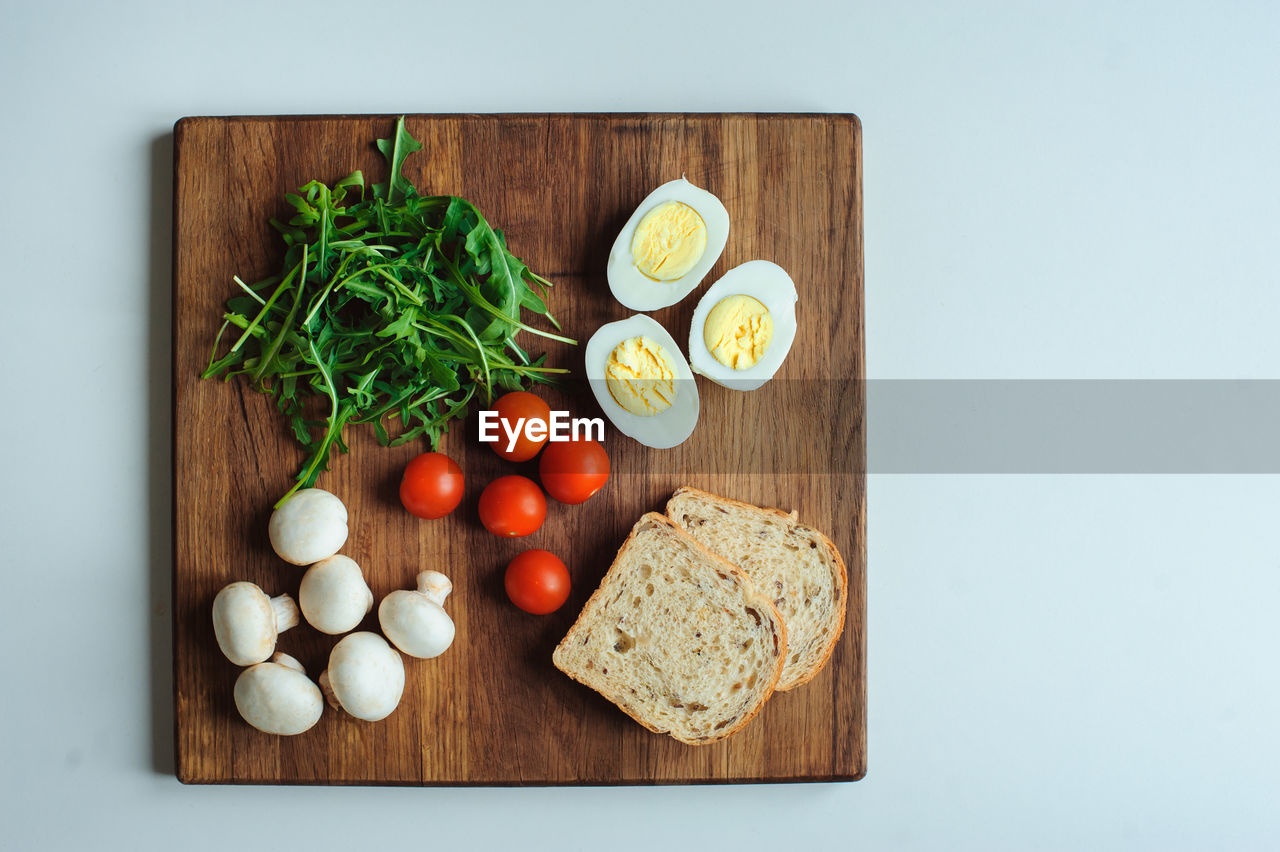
641	377
737	331
669	240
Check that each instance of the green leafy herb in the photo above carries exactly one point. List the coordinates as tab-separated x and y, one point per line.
399	306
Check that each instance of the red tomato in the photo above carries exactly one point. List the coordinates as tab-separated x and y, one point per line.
537	582
512	506
572	471
512	408
432	486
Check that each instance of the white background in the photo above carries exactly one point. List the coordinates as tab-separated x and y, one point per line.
1052	190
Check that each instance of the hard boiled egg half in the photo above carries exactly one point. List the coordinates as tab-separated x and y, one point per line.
642	382
744	326
667	246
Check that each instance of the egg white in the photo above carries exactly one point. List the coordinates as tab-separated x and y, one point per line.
771	286
661	431
638	291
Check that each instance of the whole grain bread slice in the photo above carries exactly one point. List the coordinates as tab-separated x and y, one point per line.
796	566
677	637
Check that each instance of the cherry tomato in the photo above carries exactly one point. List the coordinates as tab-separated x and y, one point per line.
572	471
537	582
512	506
512	408
432	486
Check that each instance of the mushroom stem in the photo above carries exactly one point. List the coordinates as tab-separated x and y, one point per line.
286	612
326	689
435	586
282	659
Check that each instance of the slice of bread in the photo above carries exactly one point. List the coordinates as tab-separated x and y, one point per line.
677	637
794	565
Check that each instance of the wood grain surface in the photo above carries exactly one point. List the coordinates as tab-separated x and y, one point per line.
493	709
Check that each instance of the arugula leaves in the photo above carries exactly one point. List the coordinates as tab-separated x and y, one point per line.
399	306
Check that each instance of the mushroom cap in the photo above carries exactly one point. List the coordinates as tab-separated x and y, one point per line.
366	676
416	624
310	526
244	623
278	698
334	596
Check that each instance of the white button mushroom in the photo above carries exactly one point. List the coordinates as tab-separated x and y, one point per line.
310	526
246	622
415	621
278	697
365	677
334	596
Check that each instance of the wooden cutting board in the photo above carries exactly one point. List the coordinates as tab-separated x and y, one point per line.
493	709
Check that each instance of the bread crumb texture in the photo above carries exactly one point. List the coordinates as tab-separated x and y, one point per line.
795	566
676	637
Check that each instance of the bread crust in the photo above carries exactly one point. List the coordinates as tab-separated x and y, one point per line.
752	595
841	572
